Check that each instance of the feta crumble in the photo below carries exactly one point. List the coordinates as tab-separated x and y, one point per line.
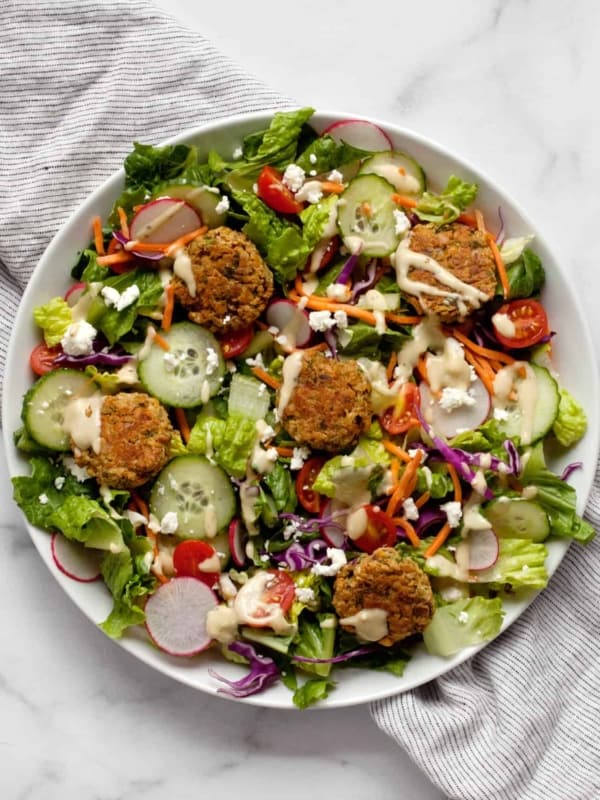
223	205
337	559
501	414
453	397
321	321
463	617
212	360
237	153
59	482
78	339
43	499
299	456
338	291
169	523
312	158
310	192
335	176
305	594
453	512
293	177
411	512
120	300
401	222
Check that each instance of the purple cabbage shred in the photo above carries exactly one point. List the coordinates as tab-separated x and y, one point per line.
348	269
569	469
123	240
263	673
361	286
360	651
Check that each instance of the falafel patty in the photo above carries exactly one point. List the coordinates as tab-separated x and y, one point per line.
330	405
463	251
384	580
135	440
233	284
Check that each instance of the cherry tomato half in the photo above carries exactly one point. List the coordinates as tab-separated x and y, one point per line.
42	358
280	590
233	344
309	499
529	321
331	249
403	414
263	599
188	558
380	531
274	192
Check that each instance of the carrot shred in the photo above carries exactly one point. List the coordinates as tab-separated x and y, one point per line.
140	503
438	541
467	219
405	485
285	452
98	237
485	376
317	348
422	499
333	187
264	376
455	483
120	257
403	523
422	369
395	470
486	352
113	247
123	221
167	317
182	424
396	450
161	342
187	237
479	221
402	319
391	365
401	200
323	304
499	265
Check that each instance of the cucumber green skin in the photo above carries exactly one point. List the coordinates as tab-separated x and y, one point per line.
165	385
518	519
377	192
204	202
546	408
187	486
44	423
396	158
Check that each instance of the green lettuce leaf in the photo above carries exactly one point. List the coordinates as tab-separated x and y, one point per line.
355	475
312	691
229	441
468	621
280	484
84	520
315	218
325	154
42	483
128	578
448	205
53	318
314	641
526	276
571	422
521	564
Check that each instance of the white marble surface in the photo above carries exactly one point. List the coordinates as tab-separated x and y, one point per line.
511	85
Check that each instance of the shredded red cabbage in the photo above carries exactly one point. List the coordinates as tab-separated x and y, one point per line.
361	286
500	235
263	672
348	269
427	519
514	458
101	358
331	341
569	469
302	556
360	651
150	256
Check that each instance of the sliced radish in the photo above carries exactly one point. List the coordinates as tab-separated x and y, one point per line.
74	559
449	423
291	322
360	133
74	292
237	542
334	532
163	220
176	616
483	549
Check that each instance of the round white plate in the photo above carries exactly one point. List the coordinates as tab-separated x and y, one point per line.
573	354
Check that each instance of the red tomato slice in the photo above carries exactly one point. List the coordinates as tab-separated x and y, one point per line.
529	320
188	558
42	358
309	499
403	414
274	192
281	590
380	531
234	343
329	253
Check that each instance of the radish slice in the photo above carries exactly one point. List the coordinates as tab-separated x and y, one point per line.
483	549
163	220
74	559
292	323
74	292
360	133
333	532
466	417
176	616
237	542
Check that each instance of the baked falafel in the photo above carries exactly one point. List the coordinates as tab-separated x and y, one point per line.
135	441
463	251
387	581
330	405
232	282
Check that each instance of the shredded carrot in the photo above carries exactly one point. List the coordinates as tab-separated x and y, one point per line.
121	257
467	219
422	369
146	247
167	317
113	246
422	499
324	304
455	483
403	523
401	200
401	319
161	342
504	358
123	221
406	483
485	375
438	541
391	365
188	237
394	469
396	450
264	376
333	187
98	237
499	265
317	348
298	285
182	424
479	221
285	452
366	209
140	503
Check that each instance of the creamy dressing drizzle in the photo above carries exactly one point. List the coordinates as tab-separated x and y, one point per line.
210	521
504	325
144	350
182	267
425	335
370	624
356	523
448	368
222	624
82	421
398	177
152	226
290	372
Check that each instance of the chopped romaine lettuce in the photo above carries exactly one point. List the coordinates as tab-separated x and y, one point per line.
449	204
53	318
512	249
521	564
571	422
526	275
127	576
468	621
315	639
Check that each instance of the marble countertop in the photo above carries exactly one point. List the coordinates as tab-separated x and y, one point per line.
509	84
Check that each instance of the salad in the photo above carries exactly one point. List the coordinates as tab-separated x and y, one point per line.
294	408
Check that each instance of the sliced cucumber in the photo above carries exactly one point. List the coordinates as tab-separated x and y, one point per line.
402	171
199	492
518	519
189	372
44	406
201	198
545	410
366	216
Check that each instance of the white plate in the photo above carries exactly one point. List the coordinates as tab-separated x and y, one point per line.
574	358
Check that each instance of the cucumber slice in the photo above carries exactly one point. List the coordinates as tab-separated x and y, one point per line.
366	216
518	519
545	411
402	171
44	406
201	199
199	492
188	373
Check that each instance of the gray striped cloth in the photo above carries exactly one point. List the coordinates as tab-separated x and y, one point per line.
81	81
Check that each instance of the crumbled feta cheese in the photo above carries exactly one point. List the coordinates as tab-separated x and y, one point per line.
311	192
453	512
321	321
335	176
43	499
80	473
305	594
223	205
290	529
237	153
337	559
257	361
401	222
293	177
501	414
472	373
312	173
463	617
120	300
412	452
212	360
338	291
312	158
255	188
153	524
266	432
170	360
59	482
299	456
452	398
411	512
169	523
341	319
79	339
